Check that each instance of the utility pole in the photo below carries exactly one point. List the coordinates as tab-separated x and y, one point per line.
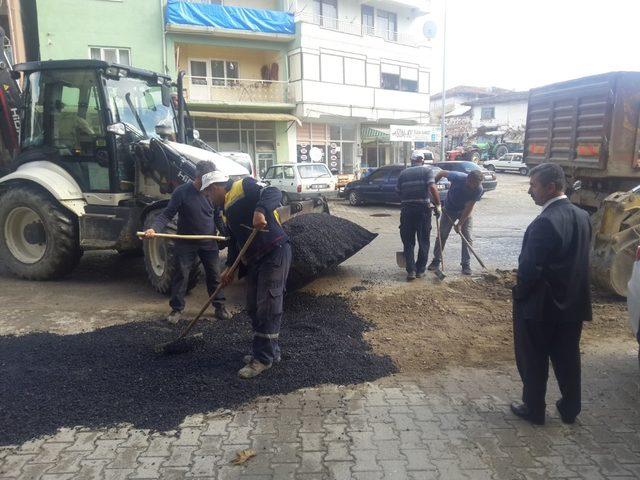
444	78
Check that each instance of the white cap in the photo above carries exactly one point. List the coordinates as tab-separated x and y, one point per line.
213	177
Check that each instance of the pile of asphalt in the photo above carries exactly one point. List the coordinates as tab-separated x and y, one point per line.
320	242
112	375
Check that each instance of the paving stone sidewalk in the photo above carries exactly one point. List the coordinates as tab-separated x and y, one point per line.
450	424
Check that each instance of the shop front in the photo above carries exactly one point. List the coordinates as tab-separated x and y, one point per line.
334	145
379	150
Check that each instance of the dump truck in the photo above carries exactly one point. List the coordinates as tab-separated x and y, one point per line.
591	127
92	151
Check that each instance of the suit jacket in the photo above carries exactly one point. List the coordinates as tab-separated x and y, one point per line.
553	267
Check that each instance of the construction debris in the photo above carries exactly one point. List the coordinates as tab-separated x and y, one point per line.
112	375
243	456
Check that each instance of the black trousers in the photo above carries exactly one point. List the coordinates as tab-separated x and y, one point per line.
266	282
415	222
186	254
536	342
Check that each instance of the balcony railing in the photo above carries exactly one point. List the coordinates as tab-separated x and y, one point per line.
237	90
357	28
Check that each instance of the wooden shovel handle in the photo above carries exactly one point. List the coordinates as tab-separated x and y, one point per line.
183	237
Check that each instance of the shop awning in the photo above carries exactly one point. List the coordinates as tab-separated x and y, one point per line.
260	117
371	134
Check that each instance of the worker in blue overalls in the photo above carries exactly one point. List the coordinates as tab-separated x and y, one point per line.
248	204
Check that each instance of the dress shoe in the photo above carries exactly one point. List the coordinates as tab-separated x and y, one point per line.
565	419
522	410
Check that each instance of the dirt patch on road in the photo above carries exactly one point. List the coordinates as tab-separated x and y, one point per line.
424	325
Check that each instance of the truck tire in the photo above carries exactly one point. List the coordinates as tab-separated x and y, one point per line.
38	237
475	157
501	150
159	260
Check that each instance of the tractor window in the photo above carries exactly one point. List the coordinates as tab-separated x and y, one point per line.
63	116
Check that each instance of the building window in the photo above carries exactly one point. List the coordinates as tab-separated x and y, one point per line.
326	13
368	26
393	77
387	25
224	72
488	113
111	54
198	72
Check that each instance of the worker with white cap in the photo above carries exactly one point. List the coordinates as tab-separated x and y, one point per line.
196	216
248	203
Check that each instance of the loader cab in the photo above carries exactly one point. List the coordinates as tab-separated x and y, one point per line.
86	116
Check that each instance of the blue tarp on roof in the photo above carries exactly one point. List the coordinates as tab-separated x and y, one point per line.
230	18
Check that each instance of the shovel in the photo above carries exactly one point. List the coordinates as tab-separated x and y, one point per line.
182	237
438	272
464	239
183	343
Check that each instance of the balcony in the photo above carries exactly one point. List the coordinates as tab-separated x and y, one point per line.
227	21
226	91
357	28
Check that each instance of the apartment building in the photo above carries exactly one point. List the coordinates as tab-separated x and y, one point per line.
282	80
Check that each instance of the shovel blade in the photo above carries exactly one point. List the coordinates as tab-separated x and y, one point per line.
400	260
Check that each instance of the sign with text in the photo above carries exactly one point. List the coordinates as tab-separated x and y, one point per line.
414	133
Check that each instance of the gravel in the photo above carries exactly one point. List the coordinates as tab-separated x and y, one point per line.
112	375
321	242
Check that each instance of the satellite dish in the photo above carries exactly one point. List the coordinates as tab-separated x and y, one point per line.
429	29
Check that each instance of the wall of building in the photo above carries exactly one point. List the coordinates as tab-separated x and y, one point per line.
68	28
512	114
261	4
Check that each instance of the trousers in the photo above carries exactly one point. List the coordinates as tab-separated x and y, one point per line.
266	283
536	342
448	219
186	254
415	222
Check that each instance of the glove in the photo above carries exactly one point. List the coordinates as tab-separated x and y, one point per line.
437	211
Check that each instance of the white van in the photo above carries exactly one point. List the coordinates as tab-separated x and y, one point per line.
299	181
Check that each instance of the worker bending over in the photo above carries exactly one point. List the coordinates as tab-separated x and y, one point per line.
464	192
196	216
417	190
247	204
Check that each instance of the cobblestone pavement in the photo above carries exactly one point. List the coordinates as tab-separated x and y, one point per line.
451	424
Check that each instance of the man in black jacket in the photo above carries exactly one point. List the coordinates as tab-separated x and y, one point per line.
248	203
196	216
551	298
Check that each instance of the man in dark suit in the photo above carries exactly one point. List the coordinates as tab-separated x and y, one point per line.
551	298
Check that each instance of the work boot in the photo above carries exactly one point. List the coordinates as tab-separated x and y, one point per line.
411	276
466	270
252	369
174	317
247	359
221	313
433	266
419	274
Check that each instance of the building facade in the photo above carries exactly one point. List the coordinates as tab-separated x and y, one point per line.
506	111
281	80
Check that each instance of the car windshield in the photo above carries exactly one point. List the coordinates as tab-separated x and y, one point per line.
138	103
314	171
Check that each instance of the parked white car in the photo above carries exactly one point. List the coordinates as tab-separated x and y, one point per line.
509	162
299	181
633	297
426	154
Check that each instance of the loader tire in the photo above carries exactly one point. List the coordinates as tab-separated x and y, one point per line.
38	237
159	260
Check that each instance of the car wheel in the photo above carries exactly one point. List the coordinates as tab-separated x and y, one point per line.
524	171
354	199
491	168
285	199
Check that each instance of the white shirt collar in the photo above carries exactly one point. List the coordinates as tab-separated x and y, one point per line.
550	201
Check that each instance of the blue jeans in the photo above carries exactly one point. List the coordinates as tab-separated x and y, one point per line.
186	254
447	220
415	222
266	282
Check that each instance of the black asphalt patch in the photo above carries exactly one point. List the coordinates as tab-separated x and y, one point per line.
320	242
112	375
